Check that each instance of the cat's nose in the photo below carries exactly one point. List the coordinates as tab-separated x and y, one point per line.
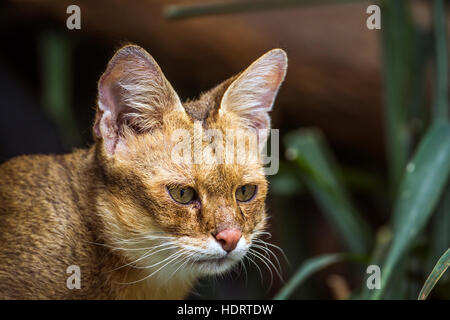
229	239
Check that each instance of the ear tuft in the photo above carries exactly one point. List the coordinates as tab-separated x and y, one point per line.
252	94
133	93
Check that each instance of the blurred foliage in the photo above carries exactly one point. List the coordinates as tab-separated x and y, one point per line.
418	174
56	57
228	7
311	266
321	175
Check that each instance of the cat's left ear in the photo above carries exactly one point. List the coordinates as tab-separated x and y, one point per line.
133	94
252	94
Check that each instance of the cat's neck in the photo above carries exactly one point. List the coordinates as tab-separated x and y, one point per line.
133	285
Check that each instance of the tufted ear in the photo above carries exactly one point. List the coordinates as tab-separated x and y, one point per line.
132	93
252	94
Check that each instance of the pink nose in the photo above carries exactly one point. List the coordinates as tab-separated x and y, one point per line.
229	239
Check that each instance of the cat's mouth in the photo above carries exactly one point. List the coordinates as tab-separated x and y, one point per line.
213	259
214	265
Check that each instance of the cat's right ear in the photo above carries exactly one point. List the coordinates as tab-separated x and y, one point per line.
134	93
251	95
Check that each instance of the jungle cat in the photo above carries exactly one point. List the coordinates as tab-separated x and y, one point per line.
135	223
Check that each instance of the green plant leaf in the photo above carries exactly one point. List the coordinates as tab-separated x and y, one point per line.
287	181
56	59
440	109
322	177
440	226
382	242
397	47
439	269
422	185
227	7
309	267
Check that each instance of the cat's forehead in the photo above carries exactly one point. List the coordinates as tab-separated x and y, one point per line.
208	103
211	178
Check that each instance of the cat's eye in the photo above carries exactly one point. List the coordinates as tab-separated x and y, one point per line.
246	192
182	195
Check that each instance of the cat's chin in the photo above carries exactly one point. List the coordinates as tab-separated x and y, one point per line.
214	266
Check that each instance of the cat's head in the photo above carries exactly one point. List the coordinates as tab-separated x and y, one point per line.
167	209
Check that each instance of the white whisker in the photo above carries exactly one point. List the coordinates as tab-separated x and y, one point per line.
146	255
267	253
259	269
154	272
254	253
274	246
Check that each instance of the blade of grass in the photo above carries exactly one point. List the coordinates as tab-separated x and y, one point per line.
322	177
397	34
440	268
440	235
309	267
227	7
440	110
363	181
56	58
417	110
422	185
382	242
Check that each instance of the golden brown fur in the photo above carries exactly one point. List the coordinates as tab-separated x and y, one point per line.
92	208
